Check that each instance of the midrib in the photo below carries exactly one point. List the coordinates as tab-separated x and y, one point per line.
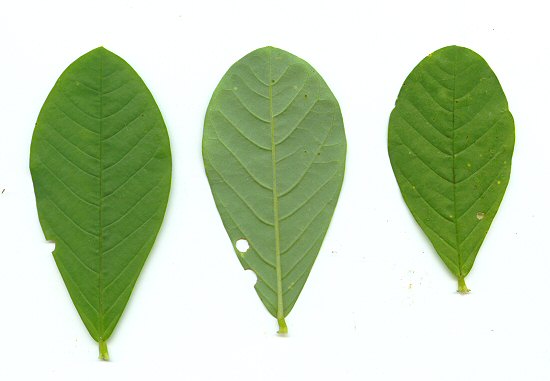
455	218
100	234
280	306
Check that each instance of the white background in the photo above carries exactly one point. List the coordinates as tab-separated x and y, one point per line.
379	304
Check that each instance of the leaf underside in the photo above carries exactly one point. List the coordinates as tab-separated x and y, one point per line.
274	150
450	142
101	168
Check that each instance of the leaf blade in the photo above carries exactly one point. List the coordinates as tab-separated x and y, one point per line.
101	168
450	141
273	131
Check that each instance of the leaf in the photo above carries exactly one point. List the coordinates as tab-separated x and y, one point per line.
274	149
450	142
101	168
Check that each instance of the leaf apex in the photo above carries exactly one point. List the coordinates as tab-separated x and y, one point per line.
455	48
101	50
271	48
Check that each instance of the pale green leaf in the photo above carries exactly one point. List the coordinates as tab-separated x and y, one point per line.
101	168
450	142
274	149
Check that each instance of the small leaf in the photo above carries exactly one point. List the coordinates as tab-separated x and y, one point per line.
101	168
274	149
450	142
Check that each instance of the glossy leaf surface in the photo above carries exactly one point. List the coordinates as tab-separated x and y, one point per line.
451	138
101	168
274	149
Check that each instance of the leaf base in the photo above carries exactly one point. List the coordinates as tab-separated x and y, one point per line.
283	329
103	352
462	288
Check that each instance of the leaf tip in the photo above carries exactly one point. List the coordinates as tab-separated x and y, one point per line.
270	49
101	50
103	352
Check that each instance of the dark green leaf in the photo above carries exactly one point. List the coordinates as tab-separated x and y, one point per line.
274	150
101	168
450	142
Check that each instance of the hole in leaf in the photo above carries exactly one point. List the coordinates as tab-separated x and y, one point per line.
251	277
52	244
242	245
